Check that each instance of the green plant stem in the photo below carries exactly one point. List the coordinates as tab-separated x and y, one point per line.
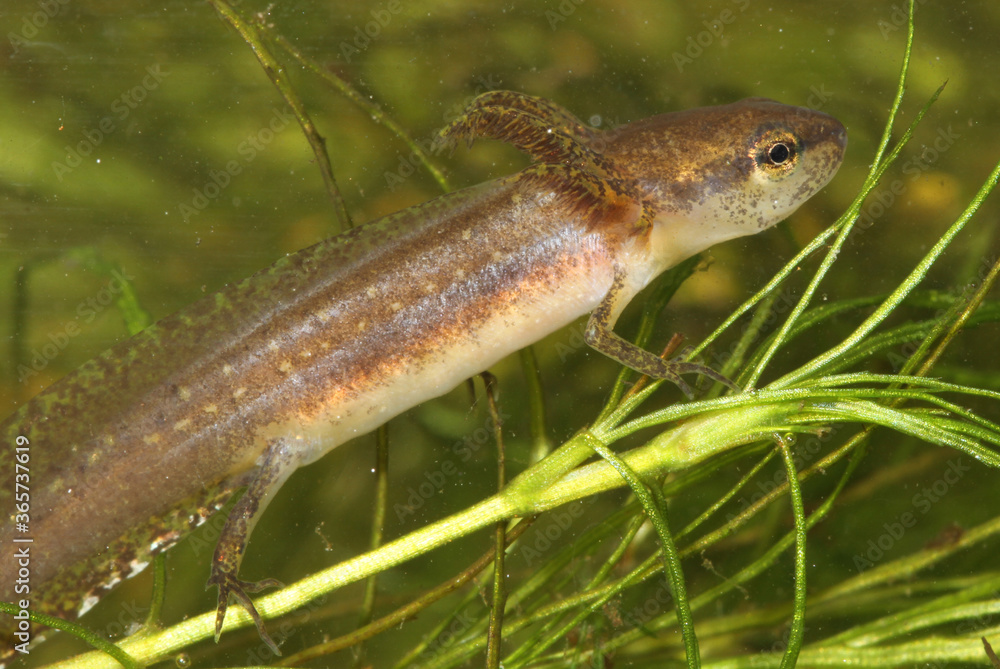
541	444
127	303
404	613
797	631
498	602
748	573
934	651
159	593
948	608
556	628
279	77
113	655
377	528
689	443
654	506
958	323
662	291
750	335
897	296
844	228
373	111
526	495
718	504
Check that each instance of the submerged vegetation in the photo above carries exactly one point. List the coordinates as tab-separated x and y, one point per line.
808	547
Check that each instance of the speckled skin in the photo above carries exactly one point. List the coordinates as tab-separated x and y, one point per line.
142	443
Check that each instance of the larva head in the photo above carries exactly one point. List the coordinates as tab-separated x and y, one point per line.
716	173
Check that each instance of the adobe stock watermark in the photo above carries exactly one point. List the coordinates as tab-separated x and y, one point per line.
131	616
32	24
921	502
283	630
461	622
210	529
803	454
897	19
543	536
564	10
203	543
573	341
370	31
408	165
884	198
978	622
447	469
248	150
697	44
120	108
784	302
899	358
86	311
655	605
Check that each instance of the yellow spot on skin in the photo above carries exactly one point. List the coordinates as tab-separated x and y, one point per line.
362	324
152	438
227	369
324	345
211	408
322	316
467	233
285	366
430	288
184	393
238	392
460	273
371	292
273	345
395	306
497	256
182	424
305	354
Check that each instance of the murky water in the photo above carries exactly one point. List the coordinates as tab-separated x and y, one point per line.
151	137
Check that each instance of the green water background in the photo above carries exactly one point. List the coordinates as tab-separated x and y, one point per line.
117	124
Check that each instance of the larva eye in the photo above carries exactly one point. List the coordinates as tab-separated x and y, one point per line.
776	152
779	153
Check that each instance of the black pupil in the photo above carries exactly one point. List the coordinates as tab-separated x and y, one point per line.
778	154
